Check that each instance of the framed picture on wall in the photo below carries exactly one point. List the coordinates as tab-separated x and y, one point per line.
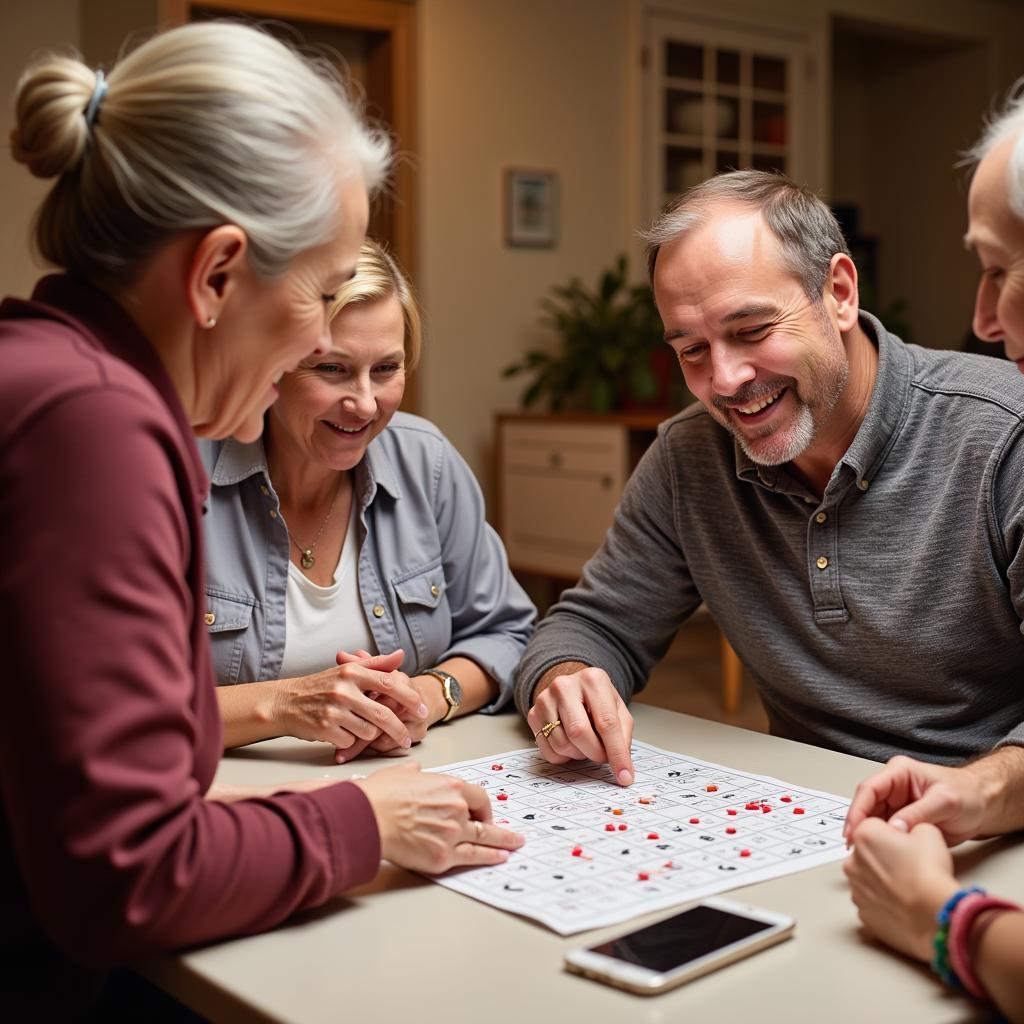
531	208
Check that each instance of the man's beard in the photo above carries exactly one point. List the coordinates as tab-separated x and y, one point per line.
770	446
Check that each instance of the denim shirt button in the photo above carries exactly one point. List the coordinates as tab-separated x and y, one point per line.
378	610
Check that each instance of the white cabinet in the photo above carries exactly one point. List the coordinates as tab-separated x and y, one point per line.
560	478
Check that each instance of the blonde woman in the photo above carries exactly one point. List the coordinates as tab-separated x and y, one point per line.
348	529
209	203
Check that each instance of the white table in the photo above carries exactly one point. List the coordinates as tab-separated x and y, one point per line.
404	949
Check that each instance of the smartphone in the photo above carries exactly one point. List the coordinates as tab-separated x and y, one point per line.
680	948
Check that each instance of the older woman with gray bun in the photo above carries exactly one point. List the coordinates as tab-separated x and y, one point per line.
210	200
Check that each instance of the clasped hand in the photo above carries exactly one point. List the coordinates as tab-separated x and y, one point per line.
354	704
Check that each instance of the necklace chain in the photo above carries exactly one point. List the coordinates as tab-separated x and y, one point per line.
307	559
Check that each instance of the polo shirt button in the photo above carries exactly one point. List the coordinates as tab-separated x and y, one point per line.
822	562
433	590
264	490
863	484
378	610
820	517
810	501
209	618
273	513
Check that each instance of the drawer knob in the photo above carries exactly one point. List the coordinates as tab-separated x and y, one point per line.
556	459
606	482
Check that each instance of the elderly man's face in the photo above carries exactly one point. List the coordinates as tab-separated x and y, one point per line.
996	234
766	362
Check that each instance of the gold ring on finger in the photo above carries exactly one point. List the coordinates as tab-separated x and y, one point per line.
548	728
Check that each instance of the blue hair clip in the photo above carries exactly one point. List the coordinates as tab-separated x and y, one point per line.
98	92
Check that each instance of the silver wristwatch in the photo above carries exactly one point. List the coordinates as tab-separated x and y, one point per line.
451	689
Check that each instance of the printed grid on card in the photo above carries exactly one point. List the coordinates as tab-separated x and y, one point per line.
597	854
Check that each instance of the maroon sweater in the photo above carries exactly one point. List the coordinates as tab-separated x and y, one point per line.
109	728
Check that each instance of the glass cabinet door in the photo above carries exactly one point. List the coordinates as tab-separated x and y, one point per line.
717	100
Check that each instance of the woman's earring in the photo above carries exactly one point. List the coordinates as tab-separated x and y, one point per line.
211	321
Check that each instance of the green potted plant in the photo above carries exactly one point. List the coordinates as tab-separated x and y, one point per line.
611	354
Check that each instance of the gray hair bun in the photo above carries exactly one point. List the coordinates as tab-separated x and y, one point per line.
51	135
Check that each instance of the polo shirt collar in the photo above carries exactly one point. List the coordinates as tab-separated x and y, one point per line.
877	430
888	401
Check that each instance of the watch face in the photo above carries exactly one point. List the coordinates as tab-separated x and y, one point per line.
454	689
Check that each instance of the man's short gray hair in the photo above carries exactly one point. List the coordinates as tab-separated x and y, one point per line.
804	225
1006	122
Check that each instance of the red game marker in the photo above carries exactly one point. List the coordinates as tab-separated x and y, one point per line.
798	810
577	851
766	808
642	876
712	789
732	812
730	831
695	821
752	807
497	767
623	827
503	796
667	864
653	835
744	853
609	827
786	799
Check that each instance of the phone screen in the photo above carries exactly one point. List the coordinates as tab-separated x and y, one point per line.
678	940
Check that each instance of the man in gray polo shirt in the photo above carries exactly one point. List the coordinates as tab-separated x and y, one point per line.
850	509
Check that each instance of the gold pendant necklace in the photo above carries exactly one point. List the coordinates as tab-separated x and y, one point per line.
307	559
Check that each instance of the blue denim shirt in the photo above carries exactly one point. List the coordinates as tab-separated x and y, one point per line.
433	576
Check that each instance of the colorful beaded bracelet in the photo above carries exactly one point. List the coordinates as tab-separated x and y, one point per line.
940	962
962	922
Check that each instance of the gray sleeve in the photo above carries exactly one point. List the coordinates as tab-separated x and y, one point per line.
633	594
1008	512
492	618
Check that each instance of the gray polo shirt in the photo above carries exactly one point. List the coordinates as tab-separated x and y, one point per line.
433	576
884	618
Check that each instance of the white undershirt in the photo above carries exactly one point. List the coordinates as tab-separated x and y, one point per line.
320	621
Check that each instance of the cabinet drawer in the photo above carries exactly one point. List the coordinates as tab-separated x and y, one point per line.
560	483
566	448
553	524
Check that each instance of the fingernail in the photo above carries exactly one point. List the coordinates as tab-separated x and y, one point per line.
503	855
899	824
407	743
625	777
520	838
340	759
423	711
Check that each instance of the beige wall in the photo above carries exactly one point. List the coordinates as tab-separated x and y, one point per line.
535	84
903	114
25	28
549	83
